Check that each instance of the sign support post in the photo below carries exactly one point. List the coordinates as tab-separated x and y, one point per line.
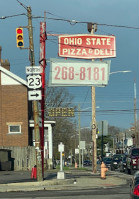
61	174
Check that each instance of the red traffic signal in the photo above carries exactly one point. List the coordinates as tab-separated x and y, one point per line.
19	37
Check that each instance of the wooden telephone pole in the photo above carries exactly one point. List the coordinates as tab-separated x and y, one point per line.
92	28
35	103
135	116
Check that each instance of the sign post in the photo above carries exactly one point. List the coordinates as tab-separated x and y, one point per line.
82	147
61	174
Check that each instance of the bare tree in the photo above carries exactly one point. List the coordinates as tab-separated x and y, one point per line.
64	128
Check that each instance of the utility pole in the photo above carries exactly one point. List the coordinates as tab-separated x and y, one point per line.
35	103
102	142
93	28
79	135
135	115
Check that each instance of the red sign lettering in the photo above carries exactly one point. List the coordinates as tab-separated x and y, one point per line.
87	46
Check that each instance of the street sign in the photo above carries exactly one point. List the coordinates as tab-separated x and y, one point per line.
78	73
30	70
82	144
61	147
102	127
34	81
76	151
34	95
87	46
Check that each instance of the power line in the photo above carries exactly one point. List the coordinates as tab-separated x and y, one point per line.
72	21
85	22
22	4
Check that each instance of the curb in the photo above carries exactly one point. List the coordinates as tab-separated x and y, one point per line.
34	186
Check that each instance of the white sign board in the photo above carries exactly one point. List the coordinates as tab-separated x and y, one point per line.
82	144
102	127
30	70
78	73
34	95
76	151
61	147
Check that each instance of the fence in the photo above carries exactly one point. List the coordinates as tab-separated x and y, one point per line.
24	157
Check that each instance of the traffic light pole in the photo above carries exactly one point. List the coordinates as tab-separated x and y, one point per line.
35	103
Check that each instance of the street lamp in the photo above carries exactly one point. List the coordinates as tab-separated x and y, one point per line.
124	71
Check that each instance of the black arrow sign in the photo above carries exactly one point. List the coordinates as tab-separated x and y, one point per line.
35	95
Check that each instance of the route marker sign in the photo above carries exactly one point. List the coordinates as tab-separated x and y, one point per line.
30	70
34	82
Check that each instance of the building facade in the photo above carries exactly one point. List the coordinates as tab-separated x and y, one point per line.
16	131
14	108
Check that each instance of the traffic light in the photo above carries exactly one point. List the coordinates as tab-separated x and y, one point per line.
19	37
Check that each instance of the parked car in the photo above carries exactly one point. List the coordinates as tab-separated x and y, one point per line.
122	163
107	161
115	161
134	191
87	162
132	161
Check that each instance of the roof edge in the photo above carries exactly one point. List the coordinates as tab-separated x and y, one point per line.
17	78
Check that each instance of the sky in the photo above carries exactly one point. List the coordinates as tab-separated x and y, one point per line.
115	102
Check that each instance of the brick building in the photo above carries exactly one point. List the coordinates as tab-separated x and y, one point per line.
14	114
16	124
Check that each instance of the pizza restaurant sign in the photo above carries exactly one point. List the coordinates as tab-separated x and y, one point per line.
87	46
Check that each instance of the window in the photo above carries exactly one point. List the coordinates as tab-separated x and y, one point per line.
14	129
135	152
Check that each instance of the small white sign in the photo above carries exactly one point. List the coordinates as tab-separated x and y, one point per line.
76	151
30	70
82	144
61	147
34	95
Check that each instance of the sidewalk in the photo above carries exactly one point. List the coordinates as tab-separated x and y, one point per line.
75	179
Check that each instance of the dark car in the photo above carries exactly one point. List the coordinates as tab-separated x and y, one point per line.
107	161
122	163
134	191
132	160
87	162
115	161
